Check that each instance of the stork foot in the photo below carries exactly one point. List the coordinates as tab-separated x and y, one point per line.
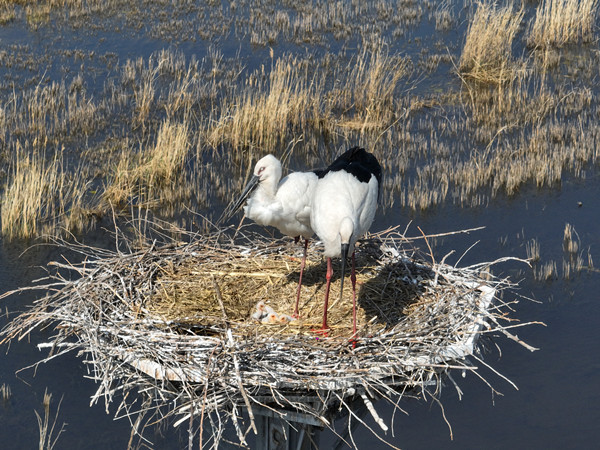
323	332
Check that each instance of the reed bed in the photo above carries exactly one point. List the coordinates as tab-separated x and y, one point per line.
218	122
561	22
40	196
487	53
463	143
177	324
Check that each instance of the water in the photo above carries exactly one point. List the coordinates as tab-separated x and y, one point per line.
555	405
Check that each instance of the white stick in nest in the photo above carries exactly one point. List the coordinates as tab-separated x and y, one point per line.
373	412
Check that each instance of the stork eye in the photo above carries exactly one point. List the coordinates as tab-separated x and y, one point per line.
261	170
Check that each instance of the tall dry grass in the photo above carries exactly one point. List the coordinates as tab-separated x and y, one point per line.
268	106
49	434
40	197
561	22
144	174
365	96
5	392
294	98
487	54
532	248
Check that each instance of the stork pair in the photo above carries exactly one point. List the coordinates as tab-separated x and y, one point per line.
337	203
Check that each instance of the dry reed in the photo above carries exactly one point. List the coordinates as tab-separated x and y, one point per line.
561	22
570	240
364	98
155	168
573	256
532	247
546	271
464	147
40	197
5	392
271	104
487	54
47	429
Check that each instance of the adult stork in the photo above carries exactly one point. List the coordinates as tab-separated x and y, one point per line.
281	203
342	210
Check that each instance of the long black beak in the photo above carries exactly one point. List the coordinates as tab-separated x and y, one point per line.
345	248
234	207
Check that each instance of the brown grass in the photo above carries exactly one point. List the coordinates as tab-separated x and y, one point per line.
546	271
365	96
487	53
436	145
532	248
5	392
561	22
571	240
293	98
47	427
262	114
40	198
144	174
575	260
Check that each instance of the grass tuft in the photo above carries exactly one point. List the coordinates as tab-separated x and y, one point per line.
153	169
5	392
46	427
487	53
561	22
40	197
268	106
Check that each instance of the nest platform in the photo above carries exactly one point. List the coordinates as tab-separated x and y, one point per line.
178	324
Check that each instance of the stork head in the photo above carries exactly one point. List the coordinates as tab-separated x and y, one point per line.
267	173
268	169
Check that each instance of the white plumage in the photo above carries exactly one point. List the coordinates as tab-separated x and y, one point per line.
343	208
281	203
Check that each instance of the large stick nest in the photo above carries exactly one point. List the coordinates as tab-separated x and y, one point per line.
179	324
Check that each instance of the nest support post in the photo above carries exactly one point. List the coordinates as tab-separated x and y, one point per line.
274	433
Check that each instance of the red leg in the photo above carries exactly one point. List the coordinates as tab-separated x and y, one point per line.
296	314
353	279
328	276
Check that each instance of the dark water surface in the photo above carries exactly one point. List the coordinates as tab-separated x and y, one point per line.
556	404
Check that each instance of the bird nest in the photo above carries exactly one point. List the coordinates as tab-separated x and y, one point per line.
185	324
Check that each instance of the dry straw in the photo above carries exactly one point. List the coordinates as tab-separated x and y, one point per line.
174	323
487	53
562	22
40	196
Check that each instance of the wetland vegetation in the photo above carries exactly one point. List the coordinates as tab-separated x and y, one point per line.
84	133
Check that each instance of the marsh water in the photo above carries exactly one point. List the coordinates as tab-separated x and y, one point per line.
556	403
